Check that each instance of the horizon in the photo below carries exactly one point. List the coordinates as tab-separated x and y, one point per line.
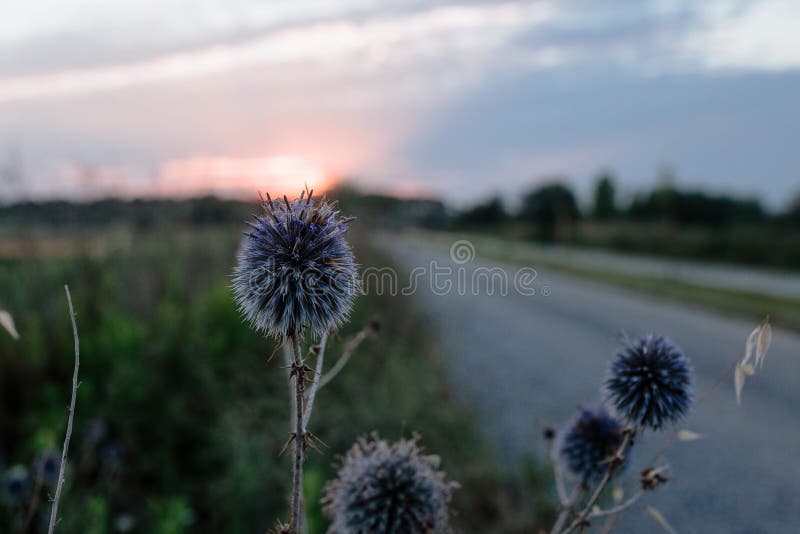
584	201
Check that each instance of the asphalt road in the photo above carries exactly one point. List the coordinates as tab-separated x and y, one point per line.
524	362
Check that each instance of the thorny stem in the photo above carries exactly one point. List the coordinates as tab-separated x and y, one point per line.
619	508
352	345
299	438
558	475
54	509
289	358
613	513
613	465
315	384
566	509
302	406
566	502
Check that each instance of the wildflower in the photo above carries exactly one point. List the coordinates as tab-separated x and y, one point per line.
650	382
47	466
590	441
295	269
96	431
112	453
15	485
124	523
385	488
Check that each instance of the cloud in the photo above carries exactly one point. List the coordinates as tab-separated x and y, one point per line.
441	93
756	36
96	33
361	45
732	133
658	37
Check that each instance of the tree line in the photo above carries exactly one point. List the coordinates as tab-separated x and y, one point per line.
553	205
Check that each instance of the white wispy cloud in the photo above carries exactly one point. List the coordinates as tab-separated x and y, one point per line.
710	35
375	42
757	36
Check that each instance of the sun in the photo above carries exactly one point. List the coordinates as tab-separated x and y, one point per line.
284	174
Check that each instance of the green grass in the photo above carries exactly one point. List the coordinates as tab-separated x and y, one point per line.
185	391
782	311
767	246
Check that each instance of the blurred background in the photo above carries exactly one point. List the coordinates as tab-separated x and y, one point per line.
640	156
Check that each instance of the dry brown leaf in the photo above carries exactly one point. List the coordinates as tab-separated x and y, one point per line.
661	520
688	435
762	345
7	322
738	381
750	345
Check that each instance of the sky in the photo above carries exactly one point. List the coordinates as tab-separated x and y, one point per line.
459	99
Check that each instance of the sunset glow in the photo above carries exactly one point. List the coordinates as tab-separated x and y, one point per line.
227	176
445	98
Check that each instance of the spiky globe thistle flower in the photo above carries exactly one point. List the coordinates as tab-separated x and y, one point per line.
650	382
295	271
46	466
591	439
384	488
15	485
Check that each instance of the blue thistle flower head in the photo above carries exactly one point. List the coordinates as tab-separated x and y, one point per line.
295	270
588	442
383	488
96	431
15	485
650	382
47	466
112	453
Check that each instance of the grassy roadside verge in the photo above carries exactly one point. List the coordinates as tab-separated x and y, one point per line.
193	416
754	306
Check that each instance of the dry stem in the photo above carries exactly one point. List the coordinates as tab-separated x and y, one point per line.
59	487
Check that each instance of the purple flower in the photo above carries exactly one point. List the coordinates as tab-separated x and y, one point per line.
296	271
383	488
16	483
589	441
650	382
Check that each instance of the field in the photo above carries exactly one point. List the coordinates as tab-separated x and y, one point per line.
180	415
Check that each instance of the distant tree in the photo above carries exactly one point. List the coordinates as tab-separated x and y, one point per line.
487	213
666	203
434	216
209	210
793	213
605	202
552	207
